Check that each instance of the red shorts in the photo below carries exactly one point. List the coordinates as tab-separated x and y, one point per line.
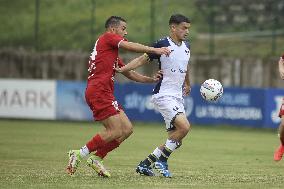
103	105
281	111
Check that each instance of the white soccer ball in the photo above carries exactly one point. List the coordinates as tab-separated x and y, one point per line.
211	90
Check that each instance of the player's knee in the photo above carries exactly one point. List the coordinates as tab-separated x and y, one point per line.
128	133
128	130
117	133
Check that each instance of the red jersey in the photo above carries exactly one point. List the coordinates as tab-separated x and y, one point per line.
103	60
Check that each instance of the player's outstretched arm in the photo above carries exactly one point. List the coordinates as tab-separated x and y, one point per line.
134	76
136	47
135	63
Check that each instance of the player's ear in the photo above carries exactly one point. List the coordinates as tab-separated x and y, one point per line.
112	29
173	27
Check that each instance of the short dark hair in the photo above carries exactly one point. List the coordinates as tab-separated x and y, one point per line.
178	18
114	21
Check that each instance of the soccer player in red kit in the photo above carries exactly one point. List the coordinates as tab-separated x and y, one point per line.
280	150
99	95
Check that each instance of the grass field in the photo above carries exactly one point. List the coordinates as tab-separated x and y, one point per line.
33	155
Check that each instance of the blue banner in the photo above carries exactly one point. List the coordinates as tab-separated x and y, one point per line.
70	101
273	101
238	106
136	101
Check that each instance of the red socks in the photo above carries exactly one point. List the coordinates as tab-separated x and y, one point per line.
99	145
102	151
95	143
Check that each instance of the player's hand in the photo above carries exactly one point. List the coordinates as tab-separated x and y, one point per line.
186	90
158	76
118	69
162	50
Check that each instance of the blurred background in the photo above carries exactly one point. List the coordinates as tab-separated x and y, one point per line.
230	40
237	42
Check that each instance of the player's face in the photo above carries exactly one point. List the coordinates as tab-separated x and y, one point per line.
121	29
181	30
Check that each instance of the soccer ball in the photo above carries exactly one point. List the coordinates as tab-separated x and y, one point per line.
211	90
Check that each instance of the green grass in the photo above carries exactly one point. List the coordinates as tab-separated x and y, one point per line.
33	155
68	24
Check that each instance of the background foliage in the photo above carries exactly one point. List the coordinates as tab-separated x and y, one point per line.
219	27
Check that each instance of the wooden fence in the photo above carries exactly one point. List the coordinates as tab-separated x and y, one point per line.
237	72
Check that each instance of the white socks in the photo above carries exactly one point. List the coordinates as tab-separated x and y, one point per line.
171	144
157	152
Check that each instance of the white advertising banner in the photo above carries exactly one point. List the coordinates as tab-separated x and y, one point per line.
27	99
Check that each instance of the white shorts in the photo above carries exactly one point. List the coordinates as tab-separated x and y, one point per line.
169	107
